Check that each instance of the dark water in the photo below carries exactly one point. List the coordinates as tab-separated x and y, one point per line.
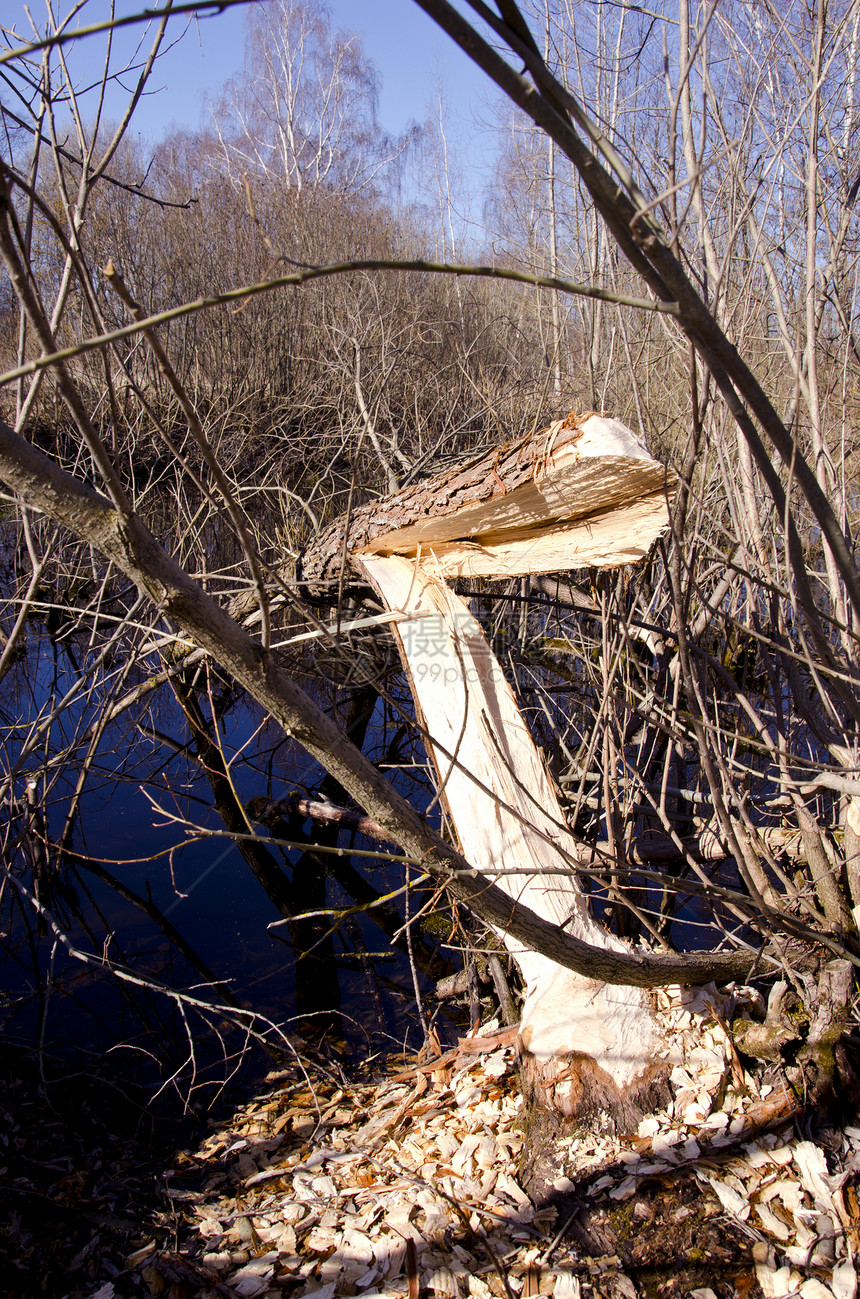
148	824
152	823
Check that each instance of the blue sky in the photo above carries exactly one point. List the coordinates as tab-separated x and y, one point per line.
410	53
414	59
408	49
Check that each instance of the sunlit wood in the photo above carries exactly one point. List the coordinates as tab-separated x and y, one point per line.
586	1042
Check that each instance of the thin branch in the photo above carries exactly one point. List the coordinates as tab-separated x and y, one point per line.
142	16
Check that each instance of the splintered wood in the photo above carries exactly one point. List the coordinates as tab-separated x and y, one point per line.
415	1183
567	497
511	827
593	499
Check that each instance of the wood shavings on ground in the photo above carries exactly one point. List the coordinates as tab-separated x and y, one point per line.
424	1180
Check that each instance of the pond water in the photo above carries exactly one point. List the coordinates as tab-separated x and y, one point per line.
160	887
151	884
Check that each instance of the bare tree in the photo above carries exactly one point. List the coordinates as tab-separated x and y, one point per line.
303	114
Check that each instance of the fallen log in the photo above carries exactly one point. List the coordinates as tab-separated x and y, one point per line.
322	812
653	850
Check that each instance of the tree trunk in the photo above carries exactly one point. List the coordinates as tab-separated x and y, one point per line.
578	494
568	497
587	1045
121	538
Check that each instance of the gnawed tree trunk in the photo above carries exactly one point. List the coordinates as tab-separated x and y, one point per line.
568	497
120	536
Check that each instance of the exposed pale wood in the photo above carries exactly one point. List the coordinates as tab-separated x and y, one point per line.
605	1019
601	540
569	496
504	807
578	494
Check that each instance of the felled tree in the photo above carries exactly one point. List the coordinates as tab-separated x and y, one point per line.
577	494
110	524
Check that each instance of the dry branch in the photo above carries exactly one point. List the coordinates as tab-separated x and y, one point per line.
123	539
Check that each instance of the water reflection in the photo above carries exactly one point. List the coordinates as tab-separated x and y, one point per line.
140	844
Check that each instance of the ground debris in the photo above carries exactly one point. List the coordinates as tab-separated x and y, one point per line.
416	1177
325	1188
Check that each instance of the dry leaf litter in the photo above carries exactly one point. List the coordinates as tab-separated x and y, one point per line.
407	1184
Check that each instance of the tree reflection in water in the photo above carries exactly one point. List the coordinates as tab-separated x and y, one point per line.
135	941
